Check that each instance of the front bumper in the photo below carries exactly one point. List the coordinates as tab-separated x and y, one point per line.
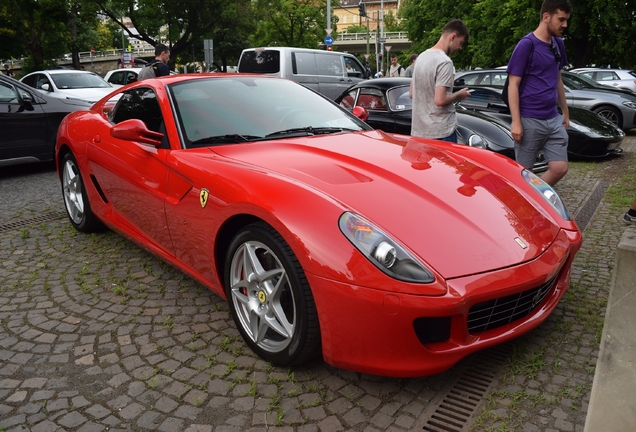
373	331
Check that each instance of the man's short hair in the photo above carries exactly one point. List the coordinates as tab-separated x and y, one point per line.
393	55
413	57
552	6
161	48
458	27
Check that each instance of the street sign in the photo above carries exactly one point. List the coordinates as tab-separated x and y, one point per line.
92	51
329	40
381	40
387	48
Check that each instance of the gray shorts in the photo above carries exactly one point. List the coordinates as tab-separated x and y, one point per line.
548	136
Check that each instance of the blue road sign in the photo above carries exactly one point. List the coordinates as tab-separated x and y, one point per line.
328	40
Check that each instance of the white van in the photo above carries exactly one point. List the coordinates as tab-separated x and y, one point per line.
328	72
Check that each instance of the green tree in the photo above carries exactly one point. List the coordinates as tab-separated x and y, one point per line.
599	31
183	25
295	23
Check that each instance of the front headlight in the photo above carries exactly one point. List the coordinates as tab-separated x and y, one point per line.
547	193
384	252
477	141
631	105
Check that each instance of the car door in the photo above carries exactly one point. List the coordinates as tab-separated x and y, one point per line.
332	75
117	78
134	176
374	101
23	125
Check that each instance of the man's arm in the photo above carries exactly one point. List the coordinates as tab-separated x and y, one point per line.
513	103
563	103
443	98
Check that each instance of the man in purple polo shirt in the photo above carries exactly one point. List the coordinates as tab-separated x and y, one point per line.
535	88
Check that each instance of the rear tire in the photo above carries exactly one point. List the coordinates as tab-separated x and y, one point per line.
76	202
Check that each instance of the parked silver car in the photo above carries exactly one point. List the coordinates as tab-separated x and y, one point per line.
616	105
619	78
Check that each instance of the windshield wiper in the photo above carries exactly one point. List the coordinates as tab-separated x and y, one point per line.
225	139
306	131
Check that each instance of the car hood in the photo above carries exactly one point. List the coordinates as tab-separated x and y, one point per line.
91	95
455	215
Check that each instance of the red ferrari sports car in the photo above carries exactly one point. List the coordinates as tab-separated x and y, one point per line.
383	253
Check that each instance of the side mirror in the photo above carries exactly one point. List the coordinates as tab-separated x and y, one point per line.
361	113
45	87
136	130
26	97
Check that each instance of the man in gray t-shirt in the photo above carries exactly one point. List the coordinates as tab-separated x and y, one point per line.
432	85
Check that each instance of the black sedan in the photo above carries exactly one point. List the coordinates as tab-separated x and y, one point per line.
484	120
387	102
591	135
29	121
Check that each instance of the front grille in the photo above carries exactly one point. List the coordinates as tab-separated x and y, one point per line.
430	330
495	313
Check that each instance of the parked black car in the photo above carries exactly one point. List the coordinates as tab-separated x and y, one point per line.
591	135
387	102
29	121
484	120
615	104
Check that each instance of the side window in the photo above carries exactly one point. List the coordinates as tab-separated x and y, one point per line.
372	99
469	79
30	80
486	80
304	63
7	94
354	68
41	80
330	65
348	101
142	104
498	79
590	75
131	77
605	76
399	99
116	78
480	99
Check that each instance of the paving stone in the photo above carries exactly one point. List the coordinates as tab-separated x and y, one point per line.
72	420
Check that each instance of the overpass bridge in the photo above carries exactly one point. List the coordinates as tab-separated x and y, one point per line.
356	43
99	62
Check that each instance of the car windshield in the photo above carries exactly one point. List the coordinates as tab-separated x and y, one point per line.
70	80
399	99
233	110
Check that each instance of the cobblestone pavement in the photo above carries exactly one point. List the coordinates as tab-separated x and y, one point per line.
96	334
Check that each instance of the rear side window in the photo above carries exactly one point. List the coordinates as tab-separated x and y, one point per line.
117	78
303	63
330	65
260	61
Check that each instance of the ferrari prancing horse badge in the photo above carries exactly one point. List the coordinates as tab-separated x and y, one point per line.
203	197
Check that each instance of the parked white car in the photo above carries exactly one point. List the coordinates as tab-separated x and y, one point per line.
69	84
121	77
619	78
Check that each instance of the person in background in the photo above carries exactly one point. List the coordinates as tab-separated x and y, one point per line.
534	90
395	70
160	64
630	216
408	72
8	71
431	88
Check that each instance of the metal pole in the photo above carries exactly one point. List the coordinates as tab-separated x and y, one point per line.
382	34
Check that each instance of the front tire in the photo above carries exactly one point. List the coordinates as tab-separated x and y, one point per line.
610	113
270	298
76	202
